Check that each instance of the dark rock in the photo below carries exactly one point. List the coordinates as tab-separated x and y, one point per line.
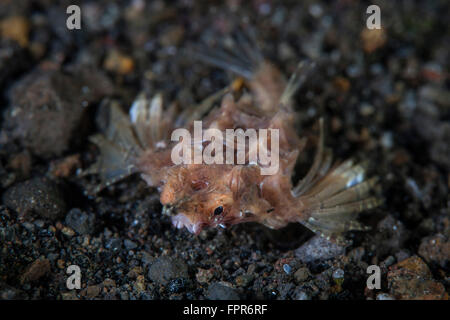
218	291
318	248
47	108
300	294
412	280
37	195
435	249
80	221
165	269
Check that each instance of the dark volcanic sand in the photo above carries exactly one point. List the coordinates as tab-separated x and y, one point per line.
384	96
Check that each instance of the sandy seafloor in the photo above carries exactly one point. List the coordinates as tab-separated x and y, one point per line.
383	94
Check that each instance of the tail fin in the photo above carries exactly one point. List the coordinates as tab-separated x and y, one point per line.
334	197
126	138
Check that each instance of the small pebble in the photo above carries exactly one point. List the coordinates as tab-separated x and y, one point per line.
165	269
302	295
119	63
35	271
218	291
80	221
37	195
287	268
244	280
302	275
384	296
130	245
338	274
68	232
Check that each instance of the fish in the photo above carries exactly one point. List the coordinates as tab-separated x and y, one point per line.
327	200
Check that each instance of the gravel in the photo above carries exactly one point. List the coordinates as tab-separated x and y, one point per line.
384	96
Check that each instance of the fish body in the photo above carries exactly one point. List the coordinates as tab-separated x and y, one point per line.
327	200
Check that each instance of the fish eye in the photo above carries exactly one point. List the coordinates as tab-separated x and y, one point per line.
218	210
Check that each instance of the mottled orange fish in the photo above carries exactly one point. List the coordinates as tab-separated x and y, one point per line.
327	200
